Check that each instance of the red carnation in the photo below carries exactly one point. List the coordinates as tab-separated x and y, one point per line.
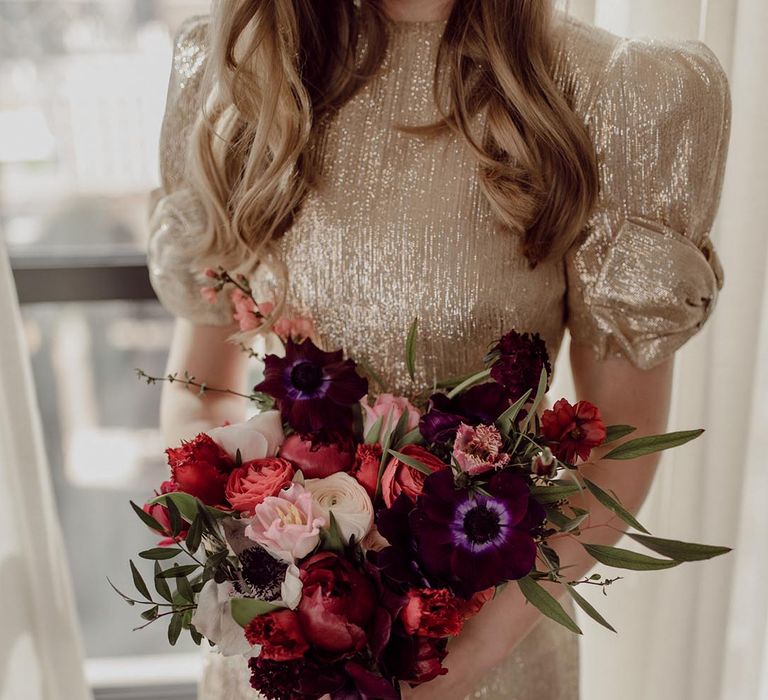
433	612
279	635
573	430
201	468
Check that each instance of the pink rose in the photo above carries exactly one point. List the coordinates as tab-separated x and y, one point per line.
287	525
318	461
399	478
251	483
478	449
389	408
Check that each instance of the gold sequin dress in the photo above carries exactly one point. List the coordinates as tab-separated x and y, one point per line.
399	228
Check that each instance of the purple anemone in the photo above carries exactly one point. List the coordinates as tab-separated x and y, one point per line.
474	540
315	390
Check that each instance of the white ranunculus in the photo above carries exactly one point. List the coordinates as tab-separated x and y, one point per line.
256	438
213	619
349	501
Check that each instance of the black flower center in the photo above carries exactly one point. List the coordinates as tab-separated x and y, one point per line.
481	525
262	572
306	376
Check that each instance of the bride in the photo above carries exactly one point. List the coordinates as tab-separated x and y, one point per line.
481	165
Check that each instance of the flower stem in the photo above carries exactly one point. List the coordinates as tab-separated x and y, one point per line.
474	379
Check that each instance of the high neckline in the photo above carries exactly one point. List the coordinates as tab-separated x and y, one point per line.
429	25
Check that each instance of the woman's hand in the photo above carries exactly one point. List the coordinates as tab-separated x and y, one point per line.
206	353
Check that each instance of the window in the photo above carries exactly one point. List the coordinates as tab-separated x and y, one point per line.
83	89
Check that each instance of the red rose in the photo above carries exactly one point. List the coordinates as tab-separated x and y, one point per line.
417	659
433	612
279	634
160	513
399	478
573	430
200	468
366	468
317	461
249	484
337	604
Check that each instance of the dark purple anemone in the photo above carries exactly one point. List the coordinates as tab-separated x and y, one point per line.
473	540
315	390
483	403
518	359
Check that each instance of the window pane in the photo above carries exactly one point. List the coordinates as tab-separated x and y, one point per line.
83	86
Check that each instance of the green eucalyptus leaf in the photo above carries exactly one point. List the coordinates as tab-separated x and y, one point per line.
174	628
410	349
552	494
385	456
471	381
680	551
184	589
195	534
616	432
332	539
546	603
187	505
626	559
505	420
245	609
174	516
151	613
197	638
541	389
160	553
649	444
613	505
374	433
400	429
587	607
176	571
411	462
161	585
146	518
410	438
138	581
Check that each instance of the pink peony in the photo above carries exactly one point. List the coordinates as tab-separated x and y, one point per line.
389	408
318	461
478	449
287	525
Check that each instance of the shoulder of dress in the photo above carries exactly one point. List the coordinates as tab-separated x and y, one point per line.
190	48
598	70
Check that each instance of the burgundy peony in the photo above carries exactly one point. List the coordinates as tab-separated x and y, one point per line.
160	513
473	540
399	478
201	468
483	403
316	459
300	679
337	605
518	361
315	390
249	484
366	467
572	431
279	635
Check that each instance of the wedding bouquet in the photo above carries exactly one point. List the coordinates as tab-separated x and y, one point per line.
338	541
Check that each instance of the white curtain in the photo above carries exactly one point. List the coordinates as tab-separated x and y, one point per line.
40	649
700	632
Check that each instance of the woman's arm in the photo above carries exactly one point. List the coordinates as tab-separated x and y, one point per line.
205	353
624	395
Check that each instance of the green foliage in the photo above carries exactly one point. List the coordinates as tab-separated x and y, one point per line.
552	494
626	559
616	432
613	505
245	609
410	349
639	447
587	607
546	603
411	462
680	551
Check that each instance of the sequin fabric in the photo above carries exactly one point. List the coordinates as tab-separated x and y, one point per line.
399	228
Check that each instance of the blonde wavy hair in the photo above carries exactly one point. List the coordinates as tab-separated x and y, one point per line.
278	70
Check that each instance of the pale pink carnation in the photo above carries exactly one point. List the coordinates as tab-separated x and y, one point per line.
478	449
390	408
287	525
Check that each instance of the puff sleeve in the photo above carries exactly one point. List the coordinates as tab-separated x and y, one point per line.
177	217
645	277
